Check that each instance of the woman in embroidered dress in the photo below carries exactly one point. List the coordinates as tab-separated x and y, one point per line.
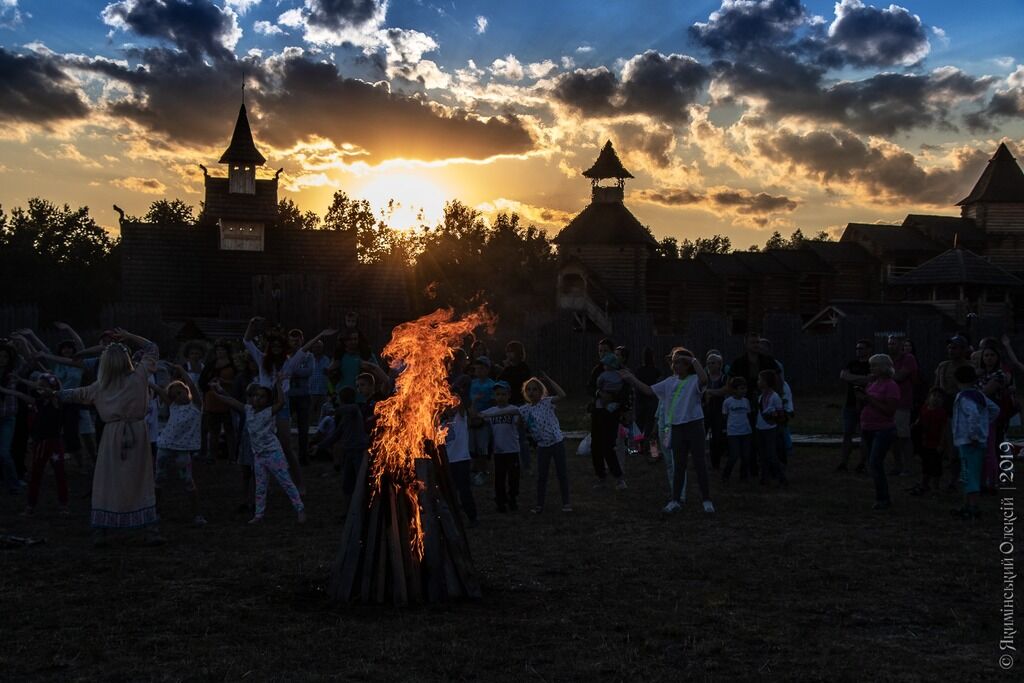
123	493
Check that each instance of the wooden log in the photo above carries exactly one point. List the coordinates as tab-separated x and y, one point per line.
433	561
458	550
351	540
369	565
394	545
410	562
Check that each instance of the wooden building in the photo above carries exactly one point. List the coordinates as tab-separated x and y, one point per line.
237	261
610	263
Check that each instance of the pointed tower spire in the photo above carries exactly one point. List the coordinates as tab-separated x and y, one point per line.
1001	181
242	149
607	166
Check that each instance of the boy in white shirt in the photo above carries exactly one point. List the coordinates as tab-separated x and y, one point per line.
736	409
504	421
769	413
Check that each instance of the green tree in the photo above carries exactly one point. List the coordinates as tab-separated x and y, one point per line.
290	216
173	212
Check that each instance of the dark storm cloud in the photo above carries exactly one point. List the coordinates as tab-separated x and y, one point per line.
882	104
892	175
196	26
387	125
661	86
188	101
869	36
336	14
1007	103
654	142
35	89
742	26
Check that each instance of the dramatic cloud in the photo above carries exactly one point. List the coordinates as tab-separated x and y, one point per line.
882	104
661	86
887	173
144	185
869	36
35	89
196	26
336	22
1006	103
742	26
369	116
481	25
745	206
403	51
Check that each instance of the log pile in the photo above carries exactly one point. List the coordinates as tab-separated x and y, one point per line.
376	563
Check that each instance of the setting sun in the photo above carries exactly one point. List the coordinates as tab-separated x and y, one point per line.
417	200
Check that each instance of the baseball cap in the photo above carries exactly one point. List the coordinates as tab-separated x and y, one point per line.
959	340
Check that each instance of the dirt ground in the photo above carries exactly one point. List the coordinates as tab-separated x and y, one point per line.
800	584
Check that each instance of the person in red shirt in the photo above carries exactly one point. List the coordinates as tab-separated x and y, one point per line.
933	421
879	399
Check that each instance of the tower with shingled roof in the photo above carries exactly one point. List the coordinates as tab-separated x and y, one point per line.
241	205
604	249
996	204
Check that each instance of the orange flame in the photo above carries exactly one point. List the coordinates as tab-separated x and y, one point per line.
411	416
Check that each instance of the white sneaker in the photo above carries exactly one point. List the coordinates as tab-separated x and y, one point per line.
621	486
709	506
673	506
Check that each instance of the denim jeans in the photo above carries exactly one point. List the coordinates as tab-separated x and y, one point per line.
767	453
545	454
876	445
6	460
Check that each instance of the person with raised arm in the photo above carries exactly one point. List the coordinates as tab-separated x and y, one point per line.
538	413
123	493
681	397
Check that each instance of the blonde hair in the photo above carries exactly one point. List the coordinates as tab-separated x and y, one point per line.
885	360
532	380
115	365
179	383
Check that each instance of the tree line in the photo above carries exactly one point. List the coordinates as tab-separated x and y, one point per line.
62	260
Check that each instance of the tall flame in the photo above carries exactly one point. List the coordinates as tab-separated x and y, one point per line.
411	416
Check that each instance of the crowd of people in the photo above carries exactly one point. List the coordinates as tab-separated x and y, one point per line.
142	421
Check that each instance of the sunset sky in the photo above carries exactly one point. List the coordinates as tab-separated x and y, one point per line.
738	117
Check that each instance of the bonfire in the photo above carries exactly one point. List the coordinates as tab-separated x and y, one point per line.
404	540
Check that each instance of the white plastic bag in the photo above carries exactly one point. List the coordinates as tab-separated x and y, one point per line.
584	447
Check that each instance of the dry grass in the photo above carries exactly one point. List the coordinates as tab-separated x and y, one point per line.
804	584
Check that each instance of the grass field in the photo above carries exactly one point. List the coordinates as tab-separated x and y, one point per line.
802	584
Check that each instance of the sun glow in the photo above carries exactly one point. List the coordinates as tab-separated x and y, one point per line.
415	200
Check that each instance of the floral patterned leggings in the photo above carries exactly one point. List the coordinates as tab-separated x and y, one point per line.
273	463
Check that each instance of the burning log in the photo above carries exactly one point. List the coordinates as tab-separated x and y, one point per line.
404	540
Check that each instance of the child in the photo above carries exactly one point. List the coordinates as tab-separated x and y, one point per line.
457	449
504	421
481	396
609	384
268	457
736	409
48	443
538	413
769	413
324	428
714	395
181	437
350	435
973	412
785	439
933	422
681	394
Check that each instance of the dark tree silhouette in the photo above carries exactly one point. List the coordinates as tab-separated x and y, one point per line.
290	216
170	212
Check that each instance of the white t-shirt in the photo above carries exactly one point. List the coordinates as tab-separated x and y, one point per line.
456	440
181	433
541	420
737	414
770	405
326	425
504	428
260	427
686	407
